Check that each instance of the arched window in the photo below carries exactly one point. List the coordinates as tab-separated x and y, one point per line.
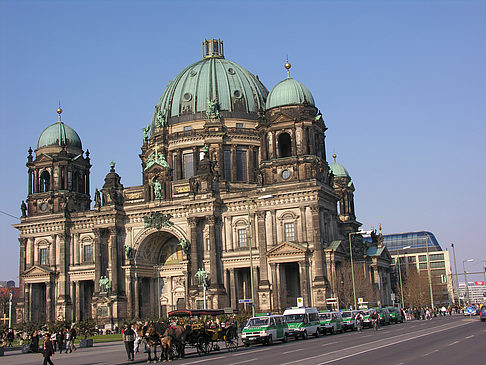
45	179
284	145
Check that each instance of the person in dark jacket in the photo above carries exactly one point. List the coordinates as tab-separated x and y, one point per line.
129	339
47	350
60	340
34	345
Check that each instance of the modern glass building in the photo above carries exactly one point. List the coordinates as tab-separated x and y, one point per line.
416	240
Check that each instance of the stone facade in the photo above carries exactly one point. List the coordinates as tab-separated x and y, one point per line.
225	191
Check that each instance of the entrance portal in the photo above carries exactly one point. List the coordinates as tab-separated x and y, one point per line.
290	289
38	303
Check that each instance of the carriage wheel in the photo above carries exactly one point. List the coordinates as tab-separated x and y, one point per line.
231	341
203	346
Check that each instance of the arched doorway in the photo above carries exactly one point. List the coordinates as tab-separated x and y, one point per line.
161	275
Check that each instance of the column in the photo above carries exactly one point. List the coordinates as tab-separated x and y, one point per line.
63	289
262	247
195	161
274	145
77	300
97	259
49	301
113	260
30	252
317	245
194	252
137	296
304	282
129	293
233	162
233	289
274	227
77	248
86	187
213	254
251	164
52	251
22	261
303	224
28	302
30	181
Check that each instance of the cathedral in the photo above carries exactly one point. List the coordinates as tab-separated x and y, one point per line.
238	205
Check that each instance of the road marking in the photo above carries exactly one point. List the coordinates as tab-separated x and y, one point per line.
470	336
208	359
242	362
373	348
332	343
453	343
368	336
288	352
429	353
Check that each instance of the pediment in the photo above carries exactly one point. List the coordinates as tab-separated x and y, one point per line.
37	270
287	249
337	247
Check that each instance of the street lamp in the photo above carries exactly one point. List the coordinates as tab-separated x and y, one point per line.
465	278
352	266
455	269
202	279
268	196
428	271
400	274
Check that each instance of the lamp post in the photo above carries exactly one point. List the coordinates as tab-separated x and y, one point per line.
400	274
484	269
465	278
202	279
428	271
352	265
10	311
455	269
251	254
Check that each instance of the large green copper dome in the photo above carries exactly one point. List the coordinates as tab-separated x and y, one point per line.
59	134
237	92
289	92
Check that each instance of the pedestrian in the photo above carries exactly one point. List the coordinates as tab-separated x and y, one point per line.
129	340
34	344
138	339
10	337
47	350
72	336
54	340
60	340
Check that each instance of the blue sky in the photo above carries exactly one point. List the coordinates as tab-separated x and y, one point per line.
401	86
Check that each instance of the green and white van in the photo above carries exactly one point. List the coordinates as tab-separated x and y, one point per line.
302	322
265	328
331	322
349	321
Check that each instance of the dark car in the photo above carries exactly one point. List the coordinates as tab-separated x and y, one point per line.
482	313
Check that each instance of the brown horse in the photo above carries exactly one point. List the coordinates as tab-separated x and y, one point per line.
178	335
153	337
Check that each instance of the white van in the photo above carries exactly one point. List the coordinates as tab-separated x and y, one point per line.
265	328
302	321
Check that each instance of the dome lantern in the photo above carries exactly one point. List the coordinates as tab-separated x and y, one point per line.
213	48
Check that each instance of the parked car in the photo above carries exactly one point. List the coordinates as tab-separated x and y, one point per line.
384	315
331	322
349	323
395	314
482	313
302	322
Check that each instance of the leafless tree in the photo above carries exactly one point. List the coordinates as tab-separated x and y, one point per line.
363	285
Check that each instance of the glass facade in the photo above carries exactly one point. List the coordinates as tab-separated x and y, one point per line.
421	239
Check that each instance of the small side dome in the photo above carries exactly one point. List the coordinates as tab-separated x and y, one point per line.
289	92
59	134
337	169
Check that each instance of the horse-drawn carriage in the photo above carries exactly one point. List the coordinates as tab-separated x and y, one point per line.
206	334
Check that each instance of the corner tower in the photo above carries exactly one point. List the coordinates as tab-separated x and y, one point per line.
59	172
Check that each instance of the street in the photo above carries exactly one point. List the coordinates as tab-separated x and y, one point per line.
444	340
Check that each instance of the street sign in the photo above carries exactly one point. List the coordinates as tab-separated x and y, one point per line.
331	300
300	302
245	301
479	283
228	310
393	296
360	300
